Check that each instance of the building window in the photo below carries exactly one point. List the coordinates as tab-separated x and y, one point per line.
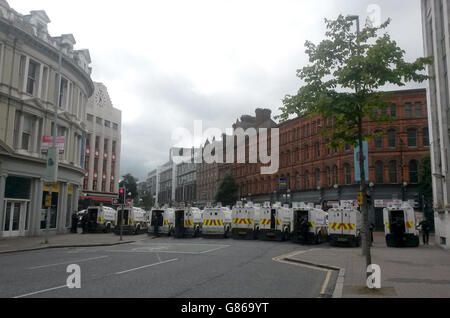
392	138
107	123
307	152
426	137
412	137
115	126
347	174
408	110
33	72
393	171
318	150
307	183
98	120
379	172
378	141
63	93
90	117
328	176
335	175
418	110
318	183
413	172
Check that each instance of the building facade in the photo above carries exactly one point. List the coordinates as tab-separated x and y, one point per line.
186	183
436	32
102	150
312	172
29	59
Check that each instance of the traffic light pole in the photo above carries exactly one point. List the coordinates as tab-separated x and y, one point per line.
121	222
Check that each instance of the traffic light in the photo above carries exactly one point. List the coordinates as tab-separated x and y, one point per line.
122	195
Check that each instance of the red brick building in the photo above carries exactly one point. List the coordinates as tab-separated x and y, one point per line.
315	173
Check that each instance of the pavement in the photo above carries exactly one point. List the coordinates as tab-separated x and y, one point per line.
22	244
422	272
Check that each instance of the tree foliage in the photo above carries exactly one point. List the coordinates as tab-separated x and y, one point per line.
130	182
227	193
344	77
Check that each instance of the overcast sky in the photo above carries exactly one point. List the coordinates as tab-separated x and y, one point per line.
167	63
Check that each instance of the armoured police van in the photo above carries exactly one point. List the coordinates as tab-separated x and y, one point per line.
400	226
101	219
161	221
134	220
276	223
245	221
344	226
310	224
188	222
216	221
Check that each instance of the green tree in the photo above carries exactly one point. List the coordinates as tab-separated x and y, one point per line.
130	183
227	193
342	83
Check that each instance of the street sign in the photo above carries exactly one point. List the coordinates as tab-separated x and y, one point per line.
51	174
47	143
360	197
48	201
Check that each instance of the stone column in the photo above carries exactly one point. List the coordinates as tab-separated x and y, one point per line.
2	197
101	152
91	162
108	166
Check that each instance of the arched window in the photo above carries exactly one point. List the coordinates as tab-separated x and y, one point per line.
307	184
328	176
413	171
378	141
412	137
426	137
335	175
393	171
297	180
392	138
347	174
379	172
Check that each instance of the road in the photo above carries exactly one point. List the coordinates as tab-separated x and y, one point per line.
166	267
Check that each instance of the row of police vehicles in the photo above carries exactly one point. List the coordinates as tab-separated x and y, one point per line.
301	223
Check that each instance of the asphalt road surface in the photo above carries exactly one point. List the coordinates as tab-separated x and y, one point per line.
166	267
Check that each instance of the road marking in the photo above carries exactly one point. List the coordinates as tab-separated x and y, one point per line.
146	266
282	259
69	262
41	291
215	249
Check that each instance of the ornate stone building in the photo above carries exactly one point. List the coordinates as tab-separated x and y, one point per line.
29	58
103	144
312	172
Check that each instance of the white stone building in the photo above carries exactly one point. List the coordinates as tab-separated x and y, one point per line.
29	59
435	21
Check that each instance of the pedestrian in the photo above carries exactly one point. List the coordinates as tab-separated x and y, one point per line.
84	223
371	227
425	227
74	223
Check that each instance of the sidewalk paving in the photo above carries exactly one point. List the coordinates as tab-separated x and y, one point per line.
422	272
19	244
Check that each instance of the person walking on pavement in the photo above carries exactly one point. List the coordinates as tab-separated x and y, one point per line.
74	222
84	223
371	227
425	227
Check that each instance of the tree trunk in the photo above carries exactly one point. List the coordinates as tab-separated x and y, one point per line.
366	237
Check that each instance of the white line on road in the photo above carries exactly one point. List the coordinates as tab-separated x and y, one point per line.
215	249
41	291
146	266
70	262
